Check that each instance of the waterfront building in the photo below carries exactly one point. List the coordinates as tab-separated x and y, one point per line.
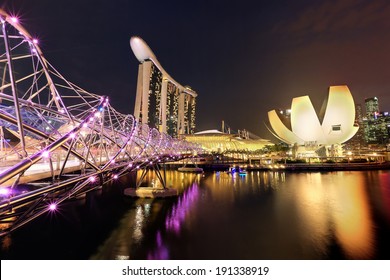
377	128
372	107
357	142
376	124
317	134
161	102
358	114
358	138
215	141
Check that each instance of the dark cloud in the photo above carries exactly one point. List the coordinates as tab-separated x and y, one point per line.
339	16
337	42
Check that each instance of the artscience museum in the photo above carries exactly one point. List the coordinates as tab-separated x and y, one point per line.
317	133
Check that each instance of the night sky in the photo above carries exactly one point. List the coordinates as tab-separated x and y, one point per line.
243	58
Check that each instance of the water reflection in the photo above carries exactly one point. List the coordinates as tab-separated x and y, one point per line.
263	215
175	219
141	213
384	198
6	241
180	210
161	251
335	206
128	234
275	215
136	227
352	216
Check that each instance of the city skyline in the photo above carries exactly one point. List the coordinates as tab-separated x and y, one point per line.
246	58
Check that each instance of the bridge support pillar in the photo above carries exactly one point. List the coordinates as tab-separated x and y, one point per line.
151	191
155	168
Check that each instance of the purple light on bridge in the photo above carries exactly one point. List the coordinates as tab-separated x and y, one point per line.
52	207
5	191
14	19
45	154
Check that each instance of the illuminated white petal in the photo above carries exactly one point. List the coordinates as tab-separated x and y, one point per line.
304	120
281	130
337	125
339	115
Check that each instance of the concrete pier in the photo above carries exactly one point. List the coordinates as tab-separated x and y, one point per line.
150	192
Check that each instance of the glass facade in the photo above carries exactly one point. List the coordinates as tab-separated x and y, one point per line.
154	105
372	106
377	130
376	124
172	110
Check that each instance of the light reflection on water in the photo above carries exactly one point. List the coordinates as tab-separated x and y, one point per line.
274	215
336	206
352	215
136	226
174	220
263	215
384	194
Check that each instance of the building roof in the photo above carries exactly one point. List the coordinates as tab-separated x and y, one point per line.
208	132
214	140
143	52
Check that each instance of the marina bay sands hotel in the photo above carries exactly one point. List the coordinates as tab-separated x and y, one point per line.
161	102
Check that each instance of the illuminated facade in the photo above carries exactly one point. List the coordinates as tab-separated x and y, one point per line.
376	124
219	142
334	125
161	102
377	130
372	106
357	141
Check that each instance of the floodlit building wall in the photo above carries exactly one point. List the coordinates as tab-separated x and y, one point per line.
336	127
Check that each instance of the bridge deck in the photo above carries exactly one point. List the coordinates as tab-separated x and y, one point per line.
44	170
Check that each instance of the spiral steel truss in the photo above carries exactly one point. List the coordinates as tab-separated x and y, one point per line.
58	140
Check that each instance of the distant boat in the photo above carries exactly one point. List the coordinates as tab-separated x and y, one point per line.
237	169
242	172
190	169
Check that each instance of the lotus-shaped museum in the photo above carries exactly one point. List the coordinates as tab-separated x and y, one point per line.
334	124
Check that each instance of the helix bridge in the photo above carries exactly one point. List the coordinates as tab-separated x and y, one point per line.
59	141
